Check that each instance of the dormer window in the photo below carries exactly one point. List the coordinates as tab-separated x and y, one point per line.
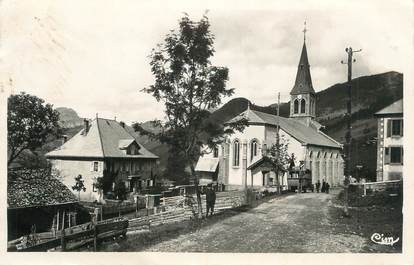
129	146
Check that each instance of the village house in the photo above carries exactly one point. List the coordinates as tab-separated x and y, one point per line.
108	149
233	162
390	142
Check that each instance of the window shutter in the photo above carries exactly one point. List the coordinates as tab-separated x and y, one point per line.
402	127
402	155
387	155
388	128
100	166
91	169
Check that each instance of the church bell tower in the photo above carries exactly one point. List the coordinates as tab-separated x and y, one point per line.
303	96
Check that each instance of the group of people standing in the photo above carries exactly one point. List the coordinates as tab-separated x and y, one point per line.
325	186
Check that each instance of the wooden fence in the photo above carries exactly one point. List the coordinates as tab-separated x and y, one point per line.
181	208
111	208
71	238
368	188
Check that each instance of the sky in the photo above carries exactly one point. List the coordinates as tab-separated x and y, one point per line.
92	56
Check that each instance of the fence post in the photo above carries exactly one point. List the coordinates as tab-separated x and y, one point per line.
62	240
95	237
136	209
101	211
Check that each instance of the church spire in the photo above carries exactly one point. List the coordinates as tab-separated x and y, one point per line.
303	82
303	96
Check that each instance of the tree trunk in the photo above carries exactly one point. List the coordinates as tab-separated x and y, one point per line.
199	204
14	155
277	180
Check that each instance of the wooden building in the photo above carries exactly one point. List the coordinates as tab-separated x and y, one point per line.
37	201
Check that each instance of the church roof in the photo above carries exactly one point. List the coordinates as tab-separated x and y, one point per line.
304	134
394	108
303	82
105	138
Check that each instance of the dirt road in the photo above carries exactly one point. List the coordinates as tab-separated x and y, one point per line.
295	224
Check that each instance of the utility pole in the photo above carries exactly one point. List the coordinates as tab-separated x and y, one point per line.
277	144
348	134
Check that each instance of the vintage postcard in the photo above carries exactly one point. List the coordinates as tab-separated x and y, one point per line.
208	133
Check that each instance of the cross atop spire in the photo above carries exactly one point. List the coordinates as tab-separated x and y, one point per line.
304	31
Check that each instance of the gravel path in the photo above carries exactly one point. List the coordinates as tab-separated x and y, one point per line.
295	224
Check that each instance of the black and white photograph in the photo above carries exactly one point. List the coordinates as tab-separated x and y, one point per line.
206	127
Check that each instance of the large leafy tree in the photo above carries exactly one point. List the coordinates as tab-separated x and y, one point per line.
189	86
176	168
30	121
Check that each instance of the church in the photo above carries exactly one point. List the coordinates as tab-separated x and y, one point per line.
232	163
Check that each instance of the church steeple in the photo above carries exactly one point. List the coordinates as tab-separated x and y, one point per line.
303	96
303	82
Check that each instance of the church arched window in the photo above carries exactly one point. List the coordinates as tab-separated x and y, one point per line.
296	106
311	107
215	151
253	149
236	153
302	106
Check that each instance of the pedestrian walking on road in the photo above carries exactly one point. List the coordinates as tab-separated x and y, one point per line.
318	186
323	186
327	187
210	199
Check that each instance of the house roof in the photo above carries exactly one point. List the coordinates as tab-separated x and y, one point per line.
265	162
207	164
394	108
26	188
105	138
304	134
303	82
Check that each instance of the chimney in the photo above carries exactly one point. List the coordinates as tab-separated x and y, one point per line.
85	126
122	124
